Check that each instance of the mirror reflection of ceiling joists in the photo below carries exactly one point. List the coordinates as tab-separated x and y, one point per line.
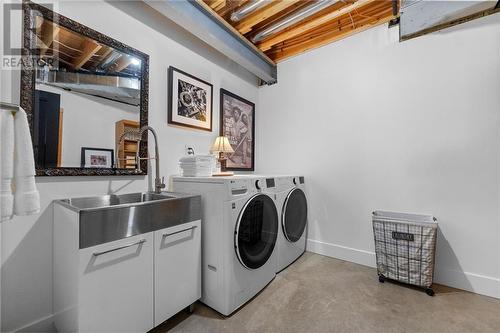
75	52
89	48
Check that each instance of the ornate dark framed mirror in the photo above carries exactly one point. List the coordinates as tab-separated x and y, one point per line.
81	91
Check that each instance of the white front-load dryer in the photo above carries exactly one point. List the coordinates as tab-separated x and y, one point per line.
292	204
240	226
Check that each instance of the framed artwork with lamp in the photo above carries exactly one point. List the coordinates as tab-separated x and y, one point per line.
222	147
237	124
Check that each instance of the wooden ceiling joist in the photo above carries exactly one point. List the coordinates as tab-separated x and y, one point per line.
344	24
246	24
311	24
217	4
286	51
339	20
347	21
90	47
221	5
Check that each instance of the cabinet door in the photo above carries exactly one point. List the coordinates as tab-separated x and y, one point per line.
177	269
116	286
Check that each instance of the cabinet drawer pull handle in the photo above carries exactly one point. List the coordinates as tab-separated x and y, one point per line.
96	254
178	232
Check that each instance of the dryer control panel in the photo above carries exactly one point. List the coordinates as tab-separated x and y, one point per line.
298	180
265	183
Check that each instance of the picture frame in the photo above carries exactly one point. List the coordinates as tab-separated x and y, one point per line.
97	158
237	123
190	100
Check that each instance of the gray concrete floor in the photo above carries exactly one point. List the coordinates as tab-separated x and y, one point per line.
322	294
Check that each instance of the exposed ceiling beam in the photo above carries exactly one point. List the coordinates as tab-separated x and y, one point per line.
221	5
344	23
200	20
90	47
311	24
285	52
278	17
216	3
348	21
246	24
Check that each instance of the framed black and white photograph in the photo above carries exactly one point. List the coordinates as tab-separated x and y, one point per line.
97	158
189	100
237	123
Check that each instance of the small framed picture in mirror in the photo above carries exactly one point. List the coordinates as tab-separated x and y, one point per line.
190	100
97	158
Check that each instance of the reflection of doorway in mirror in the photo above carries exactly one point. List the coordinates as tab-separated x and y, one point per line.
48	129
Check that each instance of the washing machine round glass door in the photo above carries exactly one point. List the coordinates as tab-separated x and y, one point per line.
256	231
294	217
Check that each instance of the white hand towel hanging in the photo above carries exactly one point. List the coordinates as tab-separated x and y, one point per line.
18	192
6	164
26	196
1	168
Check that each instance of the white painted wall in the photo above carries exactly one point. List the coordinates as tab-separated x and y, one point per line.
26	242
377	124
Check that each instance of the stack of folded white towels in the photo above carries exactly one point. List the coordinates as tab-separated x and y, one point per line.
197	165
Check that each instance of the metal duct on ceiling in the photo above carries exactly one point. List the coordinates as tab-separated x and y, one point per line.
251	7
292	19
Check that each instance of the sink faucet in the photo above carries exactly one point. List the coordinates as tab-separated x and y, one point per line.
159	182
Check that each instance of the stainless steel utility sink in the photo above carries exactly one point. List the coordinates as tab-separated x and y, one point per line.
106	201
111	217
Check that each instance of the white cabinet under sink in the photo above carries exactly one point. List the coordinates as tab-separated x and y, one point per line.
116	286
177	269
127	285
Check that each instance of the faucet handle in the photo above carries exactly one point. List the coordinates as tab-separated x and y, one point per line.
163	182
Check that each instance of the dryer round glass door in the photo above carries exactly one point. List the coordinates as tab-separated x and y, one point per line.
256	231
294	217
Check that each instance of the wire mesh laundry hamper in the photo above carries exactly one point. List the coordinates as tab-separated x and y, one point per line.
405	247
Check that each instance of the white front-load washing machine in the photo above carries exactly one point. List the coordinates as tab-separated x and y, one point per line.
239	232
292	205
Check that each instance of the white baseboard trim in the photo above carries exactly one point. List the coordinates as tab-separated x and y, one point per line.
357	256
476	283
42	325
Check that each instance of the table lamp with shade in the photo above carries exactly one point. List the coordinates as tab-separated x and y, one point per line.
222	146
